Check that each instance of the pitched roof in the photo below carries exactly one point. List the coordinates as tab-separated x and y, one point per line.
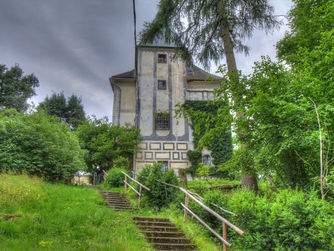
194	73
125	75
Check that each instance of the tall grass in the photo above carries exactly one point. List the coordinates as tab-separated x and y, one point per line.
60	217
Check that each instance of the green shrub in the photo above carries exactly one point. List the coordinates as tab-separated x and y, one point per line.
160	195
38	144
291	220
121	162
195	158
115	178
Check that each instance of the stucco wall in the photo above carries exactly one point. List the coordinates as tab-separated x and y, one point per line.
175	152
145	99
152	100
128	103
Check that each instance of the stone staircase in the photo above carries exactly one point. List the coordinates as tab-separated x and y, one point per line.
163	234
116	200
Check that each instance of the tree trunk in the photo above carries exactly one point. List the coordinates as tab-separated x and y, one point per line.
183	177
227	41
249	181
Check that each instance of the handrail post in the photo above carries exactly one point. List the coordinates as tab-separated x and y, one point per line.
225	235
186	203
140	190
125	182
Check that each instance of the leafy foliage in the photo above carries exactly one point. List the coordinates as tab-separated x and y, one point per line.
40	145
121	162
308	20
70	111
277	120
195	158
105	142
16	88
290	220
220	143
209	24
160	195
115	178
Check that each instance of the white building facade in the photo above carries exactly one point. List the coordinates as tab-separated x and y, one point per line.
149	99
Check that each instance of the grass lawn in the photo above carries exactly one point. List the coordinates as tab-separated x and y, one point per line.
61	217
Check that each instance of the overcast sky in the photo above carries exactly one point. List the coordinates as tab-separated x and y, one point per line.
76	45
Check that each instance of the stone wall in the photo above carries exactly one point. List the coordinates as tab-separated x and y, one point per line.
174	152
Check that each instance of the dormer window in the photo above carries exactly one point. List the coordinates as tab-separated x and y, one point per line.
162	58
162	85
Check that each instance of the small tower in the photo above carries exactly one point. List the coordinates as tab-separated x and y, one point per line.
149	100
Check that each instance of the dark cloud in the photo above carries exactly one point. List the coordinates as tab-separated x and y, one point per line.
76	45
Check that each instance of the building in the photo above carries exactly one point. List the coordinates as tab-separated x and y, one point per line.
149	100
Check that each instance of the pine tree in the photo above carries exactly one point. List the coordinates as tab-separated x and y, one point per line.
209	30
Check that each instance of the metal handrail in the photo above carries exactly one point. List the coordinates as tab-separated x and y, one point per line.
206	225
213	204
136	181
199	200
141	186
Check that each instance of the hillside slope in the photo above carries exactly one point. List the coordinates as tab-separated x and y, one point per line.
35	215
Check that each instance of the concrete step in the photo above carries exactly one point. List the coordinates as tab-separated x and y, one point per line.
119	206
163	234
151	219
119	200
154	223
116	200
174	246
169	240
113	196
158	228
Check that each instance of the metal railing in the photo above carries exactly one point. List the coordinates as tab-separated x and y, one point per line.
141	186
198	199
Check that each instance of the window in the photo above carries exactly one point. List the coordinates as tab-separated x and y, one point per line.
162	121
206	160
164	165
162	85
162	58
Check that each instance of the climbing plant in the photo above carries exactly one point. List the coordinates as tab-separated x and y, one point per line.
198	113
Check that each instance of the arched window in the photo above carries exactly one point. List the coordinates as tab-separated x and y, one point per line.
206	160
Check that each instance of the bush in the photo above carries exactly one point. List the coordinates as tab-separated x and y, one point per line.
38	144
115	178
121	162
105	142
293	220
160	195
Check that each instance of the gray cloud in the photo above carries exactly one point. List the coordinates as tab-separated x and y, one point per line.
76	45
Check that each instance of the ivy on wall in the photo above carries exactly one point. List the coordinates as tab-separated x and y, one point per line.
220	145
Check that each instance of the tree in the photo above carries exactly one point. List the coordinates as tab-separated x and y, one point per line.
40	145
105	142
16	88
213	29
286	112
308	20
70	111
